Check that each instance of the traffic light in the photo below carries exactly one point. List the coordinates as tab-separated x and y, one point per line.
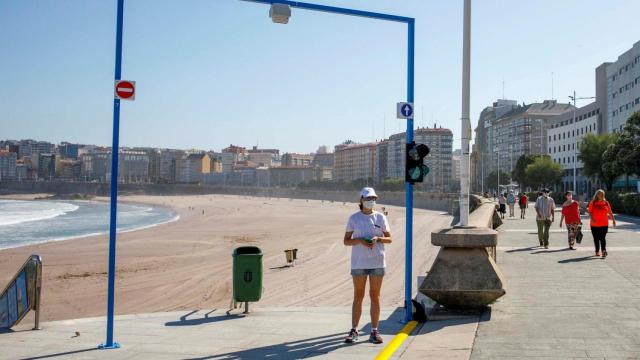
415	169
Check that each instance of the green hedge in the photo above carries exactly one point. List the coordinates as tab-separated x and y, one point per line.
628	204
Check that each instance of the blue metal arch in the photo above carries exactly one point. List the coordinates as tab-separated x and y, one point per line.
110	344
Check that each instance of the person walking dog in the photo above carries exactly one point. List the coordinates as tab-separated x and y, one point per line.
599	212
571	214
367	233
545	208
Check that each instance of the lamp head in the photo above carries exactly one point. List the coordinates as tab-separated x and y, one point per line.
280	13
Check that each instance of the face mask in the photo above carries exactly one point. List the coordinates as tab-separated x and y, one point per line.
369	204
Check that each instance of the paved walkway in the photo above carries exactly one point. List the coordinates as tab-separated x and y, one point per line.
277	333
563	304
560	304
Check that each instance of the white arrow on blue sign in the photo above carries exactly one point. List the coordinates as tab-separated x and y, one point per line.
404	110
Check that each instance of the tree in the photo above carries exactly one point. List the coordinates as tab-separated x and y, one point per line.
592	150
622	157
629	146
544	172
519	174
611	167
492	180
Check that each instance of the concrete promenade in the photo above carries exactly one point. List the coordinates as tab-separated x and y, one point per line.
276	333
560	304
564	304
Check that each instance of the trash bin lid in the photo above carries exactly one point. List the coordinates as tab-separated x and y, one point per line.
247	250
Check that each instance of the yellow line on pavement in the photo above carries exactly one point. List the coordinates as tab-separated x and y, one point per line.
396	341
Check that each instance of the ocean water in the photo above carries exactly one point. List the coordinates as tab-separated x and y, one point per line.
37	221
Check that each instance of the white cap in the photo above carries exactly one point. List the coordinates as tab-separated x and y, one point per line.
367	191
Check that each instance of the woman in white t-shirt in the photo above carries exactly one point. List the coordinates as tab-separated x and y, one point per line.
367	232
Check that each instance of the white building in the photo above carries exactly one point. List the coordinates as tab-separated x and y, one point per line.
623	88
564	137
8	165
354	162
133	166
520	131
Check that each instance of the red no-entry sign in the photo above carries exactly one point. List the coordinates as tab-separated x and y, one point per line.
125	90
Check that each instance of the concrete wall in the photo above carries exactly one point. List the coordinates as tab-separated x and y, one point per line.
428	201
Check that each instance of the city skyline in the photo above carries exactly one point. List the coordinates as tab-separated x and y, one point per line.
198	86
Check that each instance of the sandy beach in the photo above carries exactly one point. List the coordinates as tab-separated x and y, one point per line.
186	264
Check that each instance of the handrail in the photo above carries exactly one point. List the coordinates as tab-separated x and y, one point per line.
32	282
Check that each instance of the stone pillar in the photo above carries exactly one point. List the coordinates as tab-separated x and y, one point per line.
464	275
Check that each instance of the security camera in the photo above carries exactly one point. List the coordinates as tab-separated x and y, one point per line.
280	13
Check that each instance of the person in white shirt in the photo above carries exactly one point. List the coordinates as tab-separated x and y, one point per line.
367	232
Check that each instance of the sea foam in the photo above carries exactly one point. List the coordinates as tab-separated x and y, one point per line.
14	212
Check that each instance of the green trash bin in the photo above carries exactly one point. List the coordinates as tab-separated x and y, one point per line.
247	273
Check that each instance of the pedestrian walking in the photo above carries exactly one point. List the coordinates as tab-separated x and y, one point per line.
511	201
523	203
571	216
599	213
502	201
545	208
367	232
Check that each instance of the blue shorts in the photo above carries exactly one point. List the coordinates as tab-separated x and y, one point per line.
365	272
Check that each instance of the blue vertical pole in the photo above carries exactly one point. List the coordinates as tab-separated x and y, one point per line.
109	344
408	186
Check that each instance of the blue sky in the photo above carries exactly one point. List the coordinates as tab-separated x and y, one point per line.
214	72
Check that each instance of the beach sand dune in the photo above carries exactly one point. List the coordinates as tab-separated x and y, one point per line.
186	264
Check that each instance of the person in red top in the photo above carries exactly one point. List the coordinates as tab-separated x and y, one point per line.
523	202
571	215
600	211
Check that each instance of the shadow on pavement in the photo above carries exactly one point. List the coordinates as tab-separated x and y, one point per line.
586	258
436	325
203	320
486	314
64	354
389	326
316	346
530	248
551	251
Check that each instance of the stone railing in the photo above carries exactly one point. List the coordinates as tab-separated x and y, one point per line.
485	216
464	275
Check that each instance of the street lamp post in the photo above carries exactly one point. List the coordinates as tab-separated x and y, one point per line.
466	122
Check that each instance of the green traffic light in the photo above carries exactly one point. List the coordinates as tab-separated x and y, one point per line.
414	173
